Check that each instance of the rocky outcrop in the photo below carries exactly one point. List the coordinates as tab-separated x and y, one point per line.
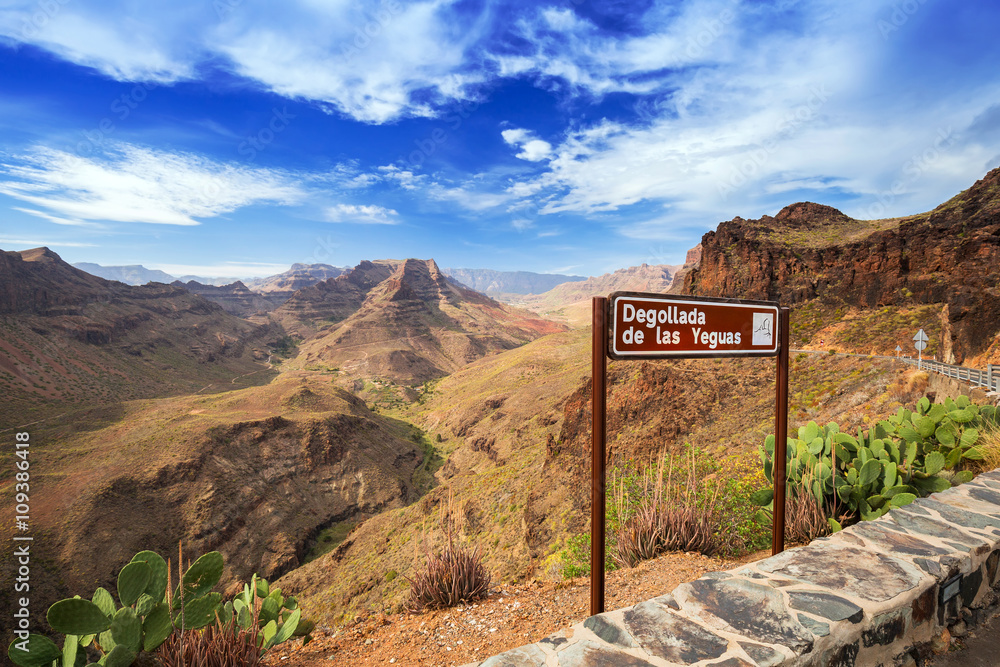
337	298
279	288
948	256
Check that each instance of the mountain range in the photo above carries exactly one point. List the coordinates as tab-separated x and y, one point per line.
493	282
390	397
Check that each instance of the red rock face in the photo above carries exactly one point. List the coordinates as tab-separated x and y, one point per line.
949	256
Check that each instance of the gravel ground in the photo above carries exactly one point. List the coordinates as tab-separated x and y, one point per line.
510	617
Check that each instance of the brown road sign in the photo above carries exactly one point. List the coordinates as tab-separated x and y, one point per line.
651	327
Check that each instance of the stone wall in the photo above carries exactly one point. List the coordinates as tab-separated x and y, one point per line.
877	593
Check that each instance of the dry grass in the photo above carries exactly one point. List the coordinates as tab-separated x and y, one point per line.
989	444
218	645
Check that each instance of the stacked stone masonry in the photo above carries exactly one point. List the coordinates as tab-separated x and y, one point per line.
874	594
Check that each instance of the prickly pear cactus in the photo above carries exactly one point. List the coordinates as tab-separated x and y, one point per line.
911	454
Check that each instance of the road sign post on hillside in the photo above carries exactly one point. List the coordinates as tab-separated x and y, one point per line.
898	350
633	325
920	342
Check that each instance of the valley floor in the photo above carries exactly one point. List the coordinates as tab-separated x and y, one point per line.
512	616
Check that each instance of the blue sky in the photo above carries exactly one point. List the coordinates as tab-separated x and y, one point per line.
234	137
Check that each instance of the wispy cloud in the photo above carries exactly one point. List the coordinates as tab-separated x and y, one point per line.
362	214
56	219
24	243
223	270
129	183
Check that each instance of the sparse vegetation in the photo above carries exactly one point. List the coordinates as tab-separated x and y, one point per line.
454	576
663	507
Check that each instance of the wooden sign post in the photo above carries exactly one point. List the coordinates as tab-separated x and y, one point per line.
634	325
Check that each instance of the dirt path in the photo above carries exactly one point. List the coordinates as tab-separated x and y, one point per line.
512	616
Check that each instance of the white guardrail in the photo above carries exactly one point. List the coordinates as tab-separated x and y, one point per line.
988	379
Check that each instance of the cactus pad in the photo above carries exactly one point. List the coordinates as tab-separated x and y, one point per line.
77	617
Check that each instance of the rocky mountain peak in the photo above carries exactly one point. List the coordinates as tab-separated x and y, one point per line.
805	214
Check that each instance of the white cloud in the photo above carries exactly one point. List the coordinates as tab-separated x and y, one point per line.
362	214
130	183
468	196
520	224
405	178
369	61
532	148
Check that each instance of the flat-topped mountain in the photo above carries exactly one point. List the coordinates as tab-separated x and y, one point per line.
948	257
403	320
492	282
278	288
235	298
133	274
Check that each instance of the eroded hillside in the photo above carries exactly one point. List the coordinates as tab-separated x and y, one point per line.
70	340
252	473
517	427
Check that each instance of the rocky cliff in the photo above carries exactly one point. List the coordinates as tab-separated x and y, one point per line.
949	256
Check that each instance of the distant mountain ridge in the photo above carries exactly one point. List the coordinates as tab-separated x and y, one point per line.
137	274
134	274
570	302
489	281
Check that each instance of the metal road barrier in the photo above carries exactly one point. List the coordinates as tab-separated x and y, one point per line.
989	379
